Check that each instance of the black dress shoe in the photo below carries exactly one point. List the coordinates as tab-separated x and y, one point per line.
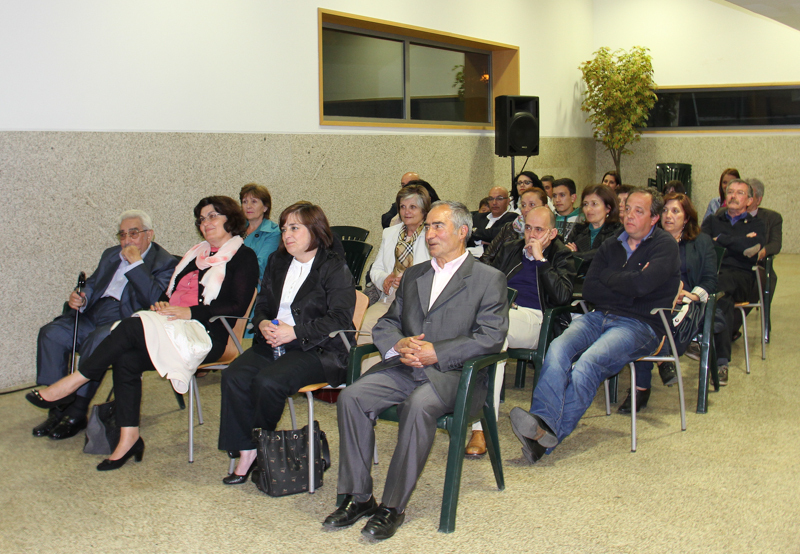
349	512
43	429
68	427
383	524
234	479
642	396
137	450
36	399
668	373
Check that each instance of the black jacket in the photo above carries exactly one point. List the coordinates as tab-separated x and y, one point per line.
479	231
555	277
734	238
701	264
582	237
324	303
506	234
241	278
631	287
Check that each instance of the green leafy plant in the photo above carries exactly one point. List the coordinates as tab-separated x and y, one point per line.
460	82
618	97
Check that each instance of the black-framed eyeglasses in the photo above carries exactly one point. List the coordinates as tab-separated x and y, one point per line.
524	182
210	217
133	233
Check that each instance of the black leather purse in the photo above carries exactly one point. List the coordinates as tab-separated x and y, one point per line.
283	460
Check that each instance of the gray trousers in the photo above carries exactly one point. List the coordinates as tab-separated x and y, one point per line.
358	407
54	344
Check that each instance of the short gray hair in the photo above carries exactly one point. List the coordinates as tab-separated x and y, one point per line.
757	186
741	182
147	223
459	214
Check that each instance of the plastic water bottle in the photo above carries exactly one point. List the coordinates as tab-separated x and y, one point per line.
277	351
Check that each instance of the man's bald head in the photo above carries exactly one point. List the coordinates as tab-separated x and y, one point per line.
408	177
498	201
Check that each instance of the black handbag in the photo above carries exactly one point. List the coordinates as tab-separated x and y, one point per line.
102	433
689	325
283	460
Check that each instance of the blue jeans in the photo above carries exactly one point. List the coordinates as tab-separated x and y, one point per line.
593	348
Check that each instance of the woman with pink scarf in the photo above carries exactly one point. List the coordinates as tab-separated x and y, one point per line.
216	277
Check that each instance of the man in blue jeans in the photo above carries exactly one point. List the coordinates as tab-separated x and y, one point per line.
630	275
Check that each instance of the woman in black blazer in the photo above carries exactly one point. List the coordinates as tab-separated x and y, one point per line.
216	277
307	292
601	215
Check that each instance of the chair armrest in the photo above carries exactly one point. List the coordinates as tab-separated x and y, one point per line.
469	381
357	354
546	331
582	303
228	328
341	333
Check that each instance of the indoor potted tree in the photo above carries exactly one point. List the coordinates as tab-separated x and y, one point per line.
618	97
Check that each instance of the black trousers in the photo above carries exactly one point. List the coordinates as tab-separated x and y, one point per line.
736	284
255	388
125	350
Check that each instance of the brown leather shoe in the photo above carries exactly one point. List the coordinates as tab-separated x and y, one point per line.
476	448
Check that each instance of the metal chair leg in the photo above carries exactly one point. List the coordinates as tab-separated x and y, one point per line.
311	442
190	413
744	338
608	397
633	407
291	412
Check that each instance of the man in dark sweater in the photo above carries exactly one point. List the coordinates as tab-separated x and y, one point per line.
742	235
629	276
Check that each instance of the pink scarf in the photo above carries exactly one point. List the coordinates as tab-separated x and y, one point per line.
212	280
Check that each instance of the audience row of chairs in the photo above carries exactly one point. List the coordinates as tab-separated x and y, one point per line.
457	423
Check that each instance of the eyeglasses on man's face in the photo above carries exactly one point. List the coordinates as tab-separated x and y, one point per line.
133	233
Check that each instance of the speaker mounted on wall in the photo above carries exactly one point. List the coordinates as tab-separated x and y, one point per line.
516	129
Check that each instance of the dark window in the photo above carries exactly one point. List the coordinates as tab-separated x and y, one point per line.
390	77
772	106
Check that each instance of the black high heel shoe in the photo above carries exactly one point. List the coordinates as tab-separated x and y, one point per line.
234	479
137	451
36	399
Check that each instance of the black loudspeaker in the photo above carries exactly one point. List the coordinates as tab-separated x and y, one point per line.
516	127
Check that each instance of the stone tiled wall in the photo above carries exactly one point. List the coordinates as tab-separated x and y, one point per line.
63	191
773	158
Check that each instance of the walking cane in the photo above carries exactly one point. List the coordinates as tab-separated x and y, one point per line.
81	284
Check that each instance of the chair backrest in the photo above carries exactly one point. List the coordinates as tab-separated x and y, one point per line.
347	232
231	350
512	295
362	303
356	254
720	251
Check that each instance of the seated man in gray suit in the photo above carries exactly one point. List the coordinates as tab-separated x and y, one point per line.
129	277
445	312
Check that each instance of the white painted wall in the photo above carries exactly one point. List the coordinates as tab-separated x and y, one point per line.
244	65
700	42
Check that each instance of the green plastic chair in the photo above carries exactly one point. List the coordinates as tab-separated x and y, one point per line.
356	254
525	355
456	424
347	232
709	372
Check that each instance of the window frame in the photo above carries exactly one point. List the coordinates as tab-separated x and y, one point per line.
503	67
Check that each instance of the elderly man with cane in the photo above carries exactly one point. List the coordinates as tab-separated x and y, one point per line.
129	277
